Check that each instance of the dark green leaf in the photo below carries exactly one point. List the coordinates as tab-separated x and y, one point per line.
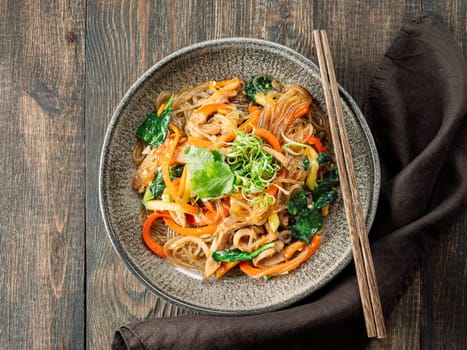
325	199
157	186
211	176
155	128
329	181
306	163
324	158
238	255
176	171
297	203
258	84
306	226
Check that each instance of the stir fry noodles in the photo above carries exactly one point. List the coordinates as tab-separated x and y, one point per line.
235	174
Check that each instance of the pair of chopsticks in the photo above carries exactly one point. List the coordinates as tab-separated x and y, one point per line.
366	278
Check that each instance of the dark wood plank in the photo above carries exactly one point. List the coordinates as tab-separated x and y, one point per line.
42	193
403	325
124	38
360	33
444	288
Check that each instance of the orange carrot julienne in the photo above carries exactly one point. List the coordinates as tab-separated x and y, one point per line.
291	249
191	209
252	121
252	108
225	267
268	137
314	141
199	143
209	109
224	85
154	246
189	231
300	113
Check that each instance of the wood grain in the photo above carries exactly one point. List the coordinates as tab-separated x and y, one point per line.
443	291
63	68
43	182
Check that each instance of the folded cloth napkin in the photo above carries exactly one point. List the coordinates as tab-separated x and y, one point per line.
416	109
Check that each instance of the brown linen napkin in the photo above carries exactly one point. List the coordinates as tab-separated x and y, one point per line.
416	109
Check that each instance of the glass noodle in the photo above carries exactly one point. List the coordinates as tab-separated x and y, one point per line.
235	174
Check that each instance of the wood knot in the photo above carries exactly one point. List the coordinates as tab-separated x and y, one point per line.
71	36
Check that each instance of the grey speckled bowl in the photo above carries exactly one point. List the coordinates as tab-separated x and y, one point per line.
236	295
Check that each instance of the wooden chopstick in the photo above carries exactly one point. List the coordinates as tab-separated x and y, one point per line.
363	260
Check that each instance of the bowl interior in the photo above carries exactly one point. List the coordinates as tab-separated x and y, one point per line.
120	205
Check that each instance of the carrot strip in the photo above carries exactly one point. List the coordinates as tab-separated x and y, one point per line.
154	246
286	266
191	209
269	137
161	108
199	143
225	267
290	250
314	141
189	231
210	108
300	113
224	85
272	190
252	108
252	121
181	188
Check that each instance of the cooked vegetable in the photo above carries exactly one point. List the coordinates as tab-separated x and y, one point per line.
308	221
306	225
157	186
298	203
211	176
226	176
258	86
155	128
274	222
324	158
325	199
253	167
329	181
316	142
154	246
286	266
238	255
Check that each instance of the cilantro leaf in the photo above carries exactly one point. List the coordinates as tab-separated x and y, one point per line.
210	175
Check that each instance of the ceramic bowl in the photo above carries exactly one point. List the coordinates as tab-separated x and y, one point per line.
120	205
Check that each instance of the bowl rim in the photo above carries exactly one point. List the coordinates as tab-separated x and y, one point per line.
373	154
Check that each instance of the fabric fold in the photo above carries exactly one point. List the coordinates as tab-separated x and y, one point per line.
416	109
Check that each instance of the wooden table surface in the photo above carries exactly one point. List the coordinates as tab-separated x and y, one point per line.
64	66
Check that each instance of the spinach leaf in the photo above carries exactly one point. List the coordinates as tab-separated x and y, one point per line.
323	158
238	255
308	221
259	84
155	128
325	199
306	163
157	186
307	225
329	181
297	203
